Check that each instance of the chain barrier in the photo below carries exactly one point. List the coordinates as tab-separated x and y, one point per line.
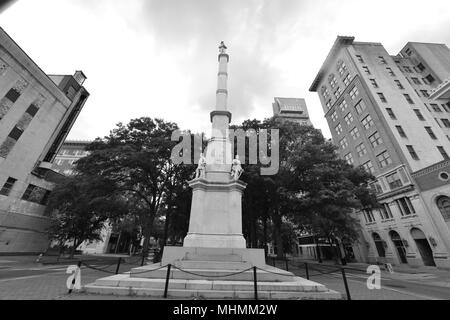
211	276
149	270
98	269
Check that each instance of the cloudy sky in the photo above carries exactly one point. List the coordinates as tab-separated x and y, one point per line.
158	58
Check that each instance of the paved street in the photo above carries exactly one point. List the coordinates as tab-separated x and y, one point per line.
414	284
23	278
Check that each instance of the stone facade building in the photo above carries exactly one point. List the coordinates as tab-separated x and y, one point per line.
292	109
37	112
69	153
382	118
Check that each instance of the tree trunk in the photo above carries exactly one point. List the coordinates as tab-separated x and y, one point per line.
278	236
147	234
265	235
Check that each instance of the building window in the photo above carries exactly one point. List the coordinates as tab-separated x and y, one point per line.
338	129
431	133
382	97
401	132
382	60
425	93
375	139
445	107
446	123
430	78
437	121
379	244
443	204
348	118
325	92
374	83
334	116
338	92
361	149
386	212
343	105
368	167
368	215
394	181
342	68
367	122
443	153
354	92
421	67
354	133
391	113
360	59
435	107
333	81
384	159
419	115
7	187
349	158
328	104
425	81
12	95
408	98
360	107
407	69
366	69
399	84
389	70
347	79
36	194
405	206
343	143
416	80
412	152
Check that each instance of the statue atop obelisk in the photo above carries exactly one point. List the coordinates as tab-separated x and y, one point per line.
216	210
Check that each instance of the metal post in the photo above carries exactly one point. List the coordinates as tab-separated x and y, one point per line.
347	291
287	262
307	271
255	283
118	265
167	280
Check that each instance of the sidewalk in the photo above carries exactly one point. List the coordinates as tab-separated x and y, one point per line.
422	275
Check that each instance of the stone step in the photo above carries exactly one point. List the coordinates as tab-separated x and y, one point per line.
211	294
213	265
152	272
123	280
207	256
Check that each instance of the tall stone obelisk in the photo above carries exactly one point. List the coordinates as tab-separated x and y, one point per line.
216	210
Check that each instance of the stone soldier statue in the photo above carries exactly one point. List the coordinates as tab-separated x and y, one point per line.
201	167
236	168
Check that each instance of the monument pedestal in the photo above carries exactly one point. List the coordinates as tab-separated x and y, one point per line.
216	217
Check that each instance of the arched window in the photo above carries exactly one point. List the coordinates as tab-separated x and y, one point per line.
379	244
443	204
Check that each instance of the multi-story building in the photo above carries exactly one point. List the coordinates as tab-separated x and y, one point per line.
292	109
36	113
69	153
381	117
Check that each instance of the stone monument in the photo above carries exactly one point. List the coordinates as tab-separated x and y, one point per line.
214	261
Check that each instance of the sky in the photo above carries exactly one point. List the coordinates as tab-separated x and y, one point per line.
158	58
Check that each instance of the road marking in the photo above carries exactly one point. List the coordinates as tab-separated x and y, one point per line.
387	288
20	278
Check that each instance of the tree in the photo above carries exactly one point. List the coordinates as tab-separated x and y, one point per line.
136	161
313	188
78	209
